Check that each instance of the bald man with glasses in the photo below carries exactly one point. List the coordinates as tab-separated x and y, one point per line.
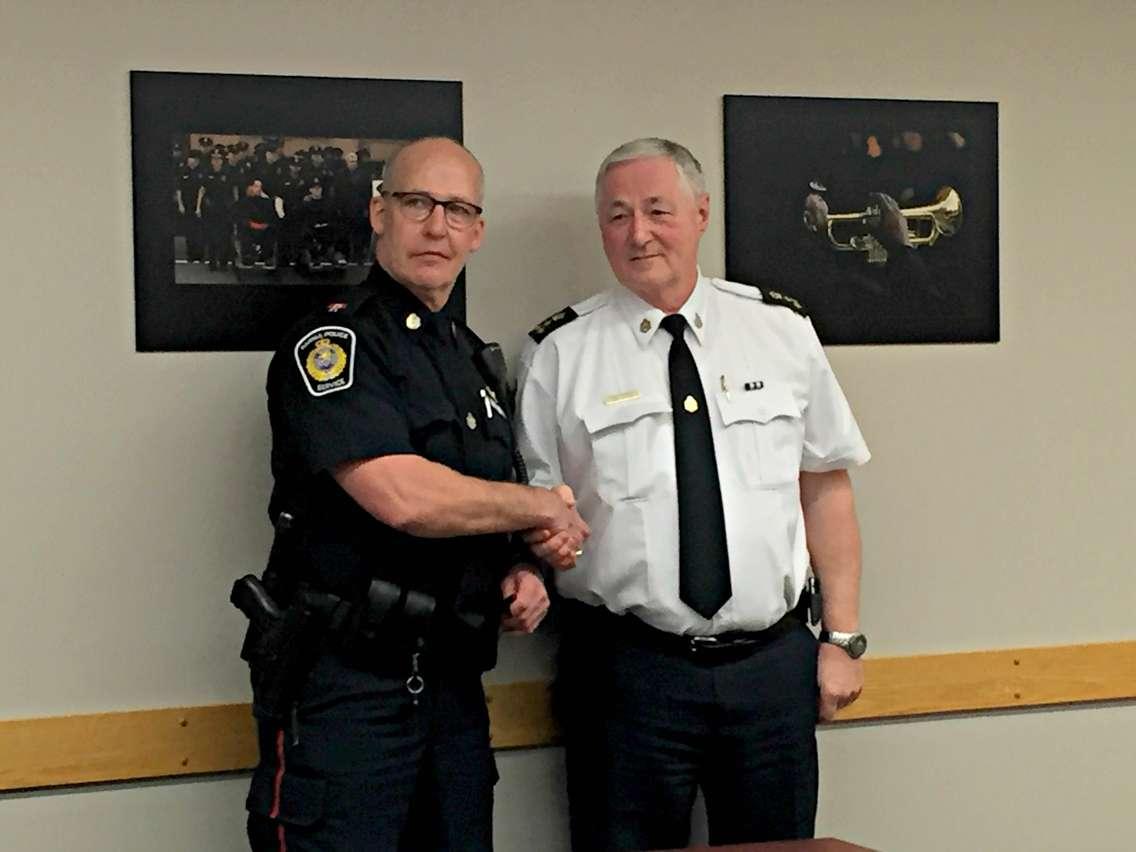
393	458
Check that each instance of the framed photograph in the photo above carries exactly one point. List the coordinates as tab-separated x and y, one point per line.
251	196
879	216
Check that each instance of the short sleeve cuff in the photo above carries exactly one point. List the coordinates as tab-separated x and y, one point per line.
327	457
853	458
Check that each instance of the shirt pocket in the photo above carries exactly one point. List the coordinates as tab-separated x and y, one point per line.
764	433
489	445
625	438
435	432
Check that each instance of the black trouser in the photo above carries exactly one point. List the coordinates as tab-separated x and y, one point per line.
291	234
194	237
645	727
256	244
218	236
374	771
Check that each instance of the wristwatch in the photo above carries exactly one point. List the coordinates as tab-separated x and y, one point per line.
854	644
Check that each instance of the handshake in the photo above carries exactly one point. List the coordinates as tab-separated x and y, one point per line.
560	542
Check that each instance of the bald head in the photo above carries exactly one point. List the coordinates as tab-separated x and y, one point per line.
407	158
418	244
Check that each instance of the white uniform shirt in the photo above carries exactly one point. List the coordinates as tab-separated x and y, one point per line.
594	412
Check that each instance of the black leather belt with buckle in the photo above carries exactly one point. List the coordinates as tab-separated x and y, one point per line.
600	625
717	648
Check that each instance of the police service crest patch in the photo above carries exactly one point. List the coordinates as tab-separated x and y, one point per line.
326	356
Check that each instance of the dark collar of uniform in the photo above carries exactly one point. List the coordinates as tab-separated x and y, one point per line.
644	319
407	309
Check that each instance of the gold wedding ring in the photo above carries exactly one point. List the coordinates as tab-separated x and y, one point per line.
578	553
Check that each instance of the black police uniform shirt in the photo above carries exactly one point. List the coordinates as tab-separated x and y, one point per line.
378	375
292	190
270	175
355	197
218	190
317	212
188	183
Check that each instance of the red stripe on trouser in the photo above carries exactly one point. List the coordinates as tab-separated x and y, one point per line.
277	783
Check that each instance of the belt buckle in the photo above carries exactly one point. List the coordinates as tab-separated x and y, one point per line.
703	643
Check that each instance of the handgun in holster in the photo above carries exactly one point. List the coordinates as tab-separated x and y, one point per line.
291	624
282	643
287	624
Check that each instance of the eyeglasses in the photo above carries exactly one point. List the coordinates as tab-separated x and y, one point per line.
418	207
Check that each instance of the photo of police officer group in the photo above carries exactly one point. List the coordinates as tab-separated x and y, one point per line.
264	209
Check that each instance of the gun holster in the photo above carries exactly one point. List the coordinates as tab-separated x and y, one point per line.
281	645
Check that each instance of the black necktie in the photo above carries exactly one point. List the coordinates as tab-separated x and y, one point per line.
704	563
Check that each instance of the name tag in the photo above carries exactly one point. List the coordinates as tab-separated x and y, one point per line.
617	398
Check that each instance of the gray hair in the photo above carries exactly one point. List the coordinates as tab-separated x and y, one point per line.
689	169
389	165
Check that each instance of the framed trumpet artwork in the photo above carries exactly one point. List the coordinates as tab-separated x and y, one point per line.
879	216
251	196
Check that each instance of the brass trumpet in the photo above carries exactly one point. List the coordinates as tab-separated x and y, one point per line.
925	224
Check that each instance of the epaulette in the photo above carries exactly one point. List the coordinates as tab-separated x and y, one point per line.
746	291
349	302
548	325
772	297
321	314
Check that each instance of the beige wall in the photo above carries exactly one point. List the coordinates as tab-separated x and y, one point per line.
996	511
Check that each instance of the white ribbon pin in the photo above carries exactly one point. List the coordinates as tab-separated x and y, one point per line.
491	403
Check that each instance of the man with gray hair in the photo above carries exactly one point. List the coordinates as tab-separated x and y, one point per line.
707	443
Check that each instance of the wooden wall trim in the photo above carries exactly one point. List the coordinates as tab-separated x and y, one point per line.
992	680
62	750
101	747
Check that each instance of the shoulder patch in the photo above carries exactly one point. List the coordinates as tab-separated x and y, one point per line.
326	358
772	297
546	326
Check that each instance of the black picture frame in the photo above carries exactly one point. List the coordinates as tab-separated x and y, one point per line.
187	317
779	150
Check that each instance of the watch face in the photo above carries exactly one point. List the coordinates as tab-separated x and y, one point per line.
857	645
